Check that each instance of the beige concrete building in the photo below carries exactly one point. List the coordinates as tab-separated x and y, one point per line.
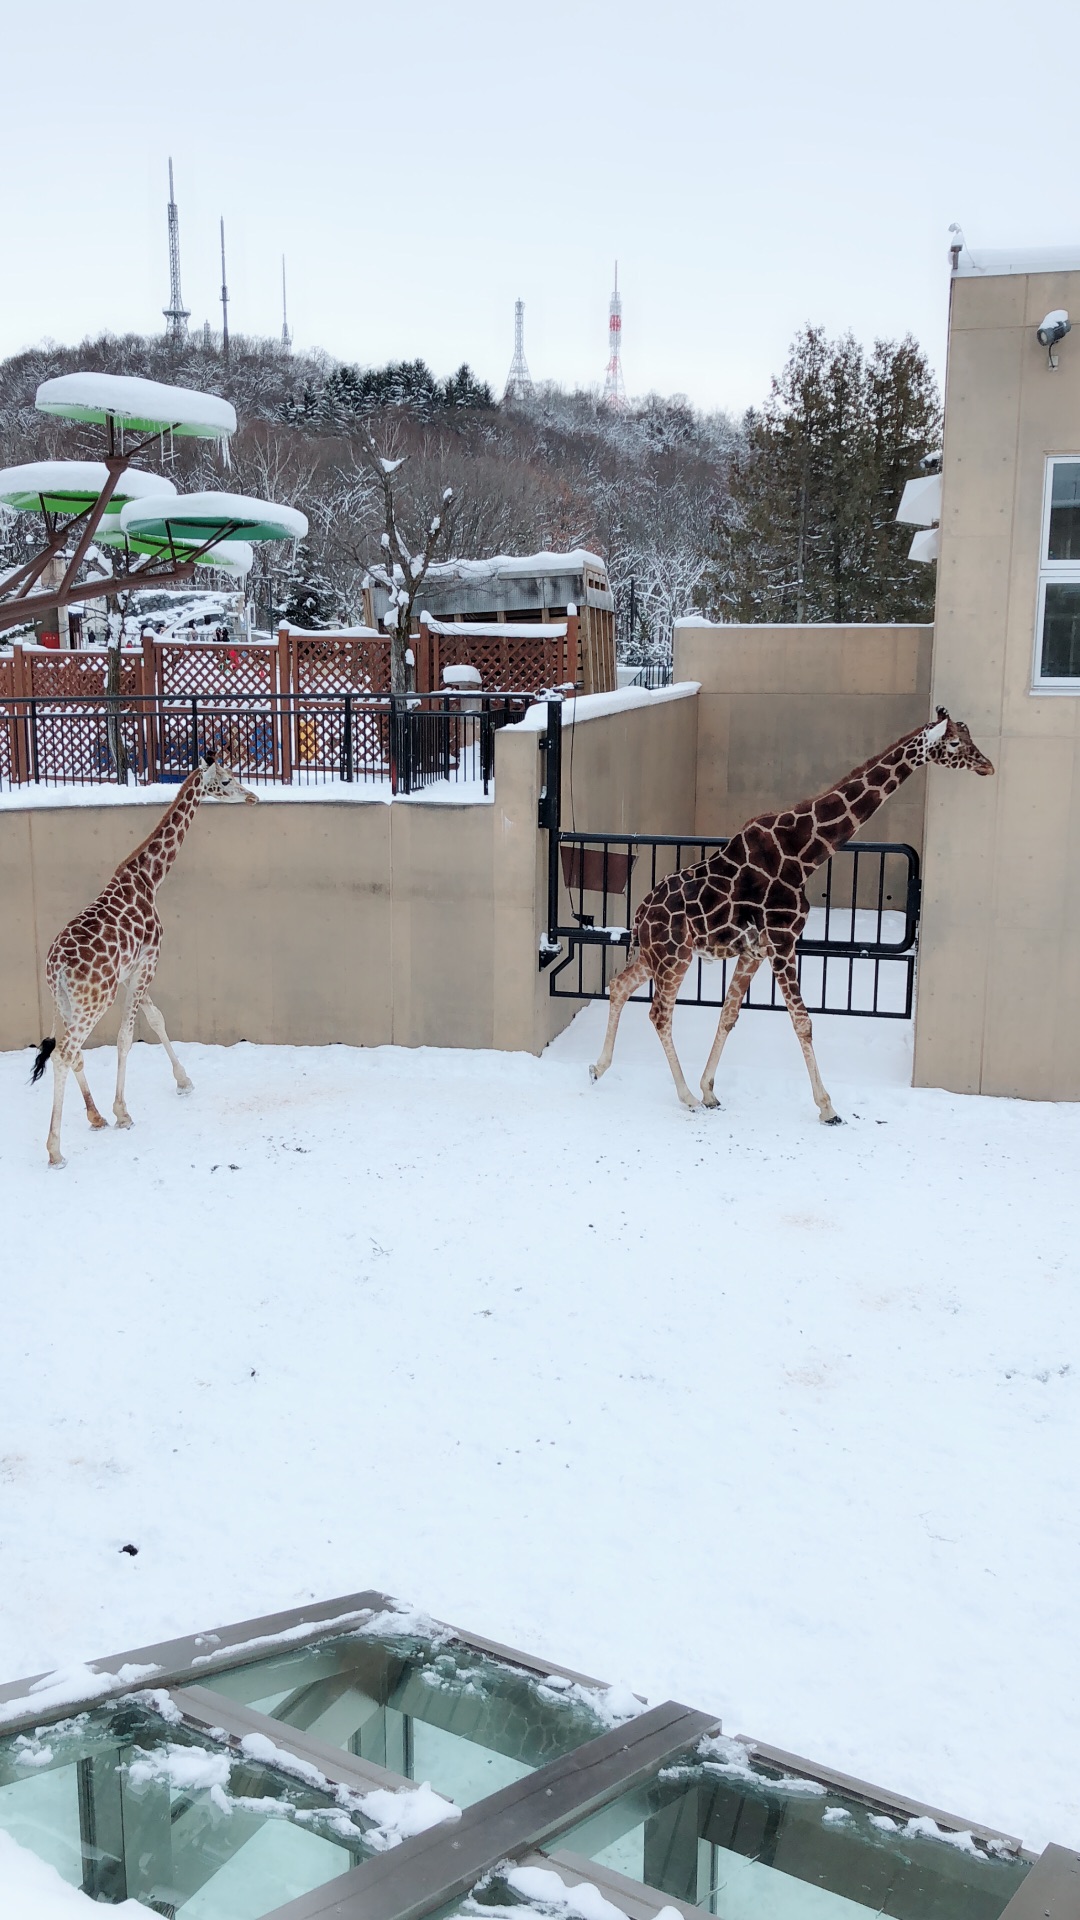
999	976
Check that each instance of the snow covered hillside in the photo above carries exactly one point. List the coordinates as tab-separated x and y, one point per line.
778	1420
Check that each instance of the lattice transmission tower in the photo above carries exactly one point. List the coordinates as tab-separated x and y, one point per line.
175	313
519	384
614	391
286	336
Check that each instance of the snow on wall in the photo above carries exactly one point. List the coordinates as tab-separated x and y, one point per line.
593	706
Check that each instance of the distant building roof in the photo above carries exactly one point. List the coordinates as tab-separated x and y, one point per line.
504	565
973	264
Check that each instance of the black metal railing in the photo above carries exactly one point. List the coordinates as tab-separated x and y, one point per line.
410	741
659	673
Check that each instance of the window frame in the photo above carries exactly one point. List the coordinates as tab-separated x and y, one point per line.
1052	572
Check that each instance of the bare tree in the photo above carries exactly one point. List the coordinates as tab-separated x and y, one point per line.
401	570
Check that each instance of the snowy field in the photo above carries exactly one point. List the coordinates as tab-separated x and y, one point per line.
778	1420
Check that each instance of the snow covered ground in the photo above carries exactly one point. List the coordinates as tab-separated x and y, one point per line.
775	1419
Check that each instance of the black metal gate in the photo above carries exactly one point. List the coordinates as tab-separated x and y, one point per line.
857	953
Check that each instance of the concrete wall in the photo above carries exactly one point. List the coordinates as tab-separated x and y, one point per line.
318	921
784	711
999	976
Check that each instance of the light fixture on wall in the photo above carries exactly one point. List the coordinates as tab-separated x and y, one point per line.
1054	328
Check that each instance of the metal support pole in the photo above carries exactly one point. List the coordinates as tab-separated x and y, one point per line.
550	817
194	730
347	770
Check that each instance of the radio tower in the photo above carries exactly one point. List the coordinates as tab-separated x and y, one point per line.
614	391
224	300
175	313
286	336
519	384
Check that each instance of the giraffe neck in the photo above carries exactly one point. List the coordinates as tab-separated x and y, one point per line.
839	812
154	858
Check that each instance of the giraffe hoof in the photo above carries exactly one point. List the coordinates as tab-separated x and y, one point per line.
594	1074
188	1087
710	1100
124	1121
831	1120
97	1122
56	1165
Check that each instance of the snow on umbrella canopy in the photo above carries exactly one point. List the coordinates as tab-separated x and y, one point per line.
232	556
137	406
69	486
193	517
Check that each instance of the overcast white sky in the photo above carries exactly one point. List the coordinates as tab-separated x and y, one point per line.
752	166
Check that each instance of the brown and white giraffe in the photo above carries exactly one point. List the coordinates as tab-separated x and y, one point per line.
115	942
748	902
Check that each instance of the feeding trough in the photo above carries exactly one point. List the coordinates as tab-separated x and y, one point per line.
55	487
120	400
229	556
199	518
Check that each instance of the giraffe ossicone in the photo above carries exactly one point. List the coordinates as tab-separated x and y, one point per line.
115	942
748	902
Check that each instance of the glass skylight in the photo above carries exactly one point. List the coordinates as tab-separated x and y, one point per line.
427	1708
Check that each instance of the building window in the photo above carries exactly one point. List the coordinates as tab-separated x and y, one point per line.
1057	650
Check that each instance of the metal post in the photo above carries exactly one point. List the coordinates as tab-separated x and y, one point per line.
34	768
348	769
194	730
550	816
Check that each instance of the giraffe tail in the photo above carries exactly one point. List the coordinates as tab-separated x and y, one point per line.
42	1060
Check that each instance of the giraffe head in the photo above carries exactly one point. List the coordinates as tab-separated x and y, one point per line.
220	783
949	744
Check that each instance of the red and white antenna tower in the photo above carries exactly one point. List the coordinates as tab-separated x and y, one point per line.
614	391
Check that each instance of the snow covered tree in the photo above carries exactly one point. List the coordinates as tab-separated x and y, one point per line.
404	561
310	599
810	532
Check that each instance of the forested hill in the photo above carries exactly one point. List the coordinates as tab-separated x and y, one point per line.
699	510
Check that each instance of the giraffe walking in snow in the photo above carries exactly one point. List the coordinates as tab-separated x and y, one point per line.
748	902
116	942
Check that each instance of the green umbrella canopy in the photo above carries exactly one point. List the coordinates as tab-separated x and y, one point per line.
204	516
233	556
67	486
138	406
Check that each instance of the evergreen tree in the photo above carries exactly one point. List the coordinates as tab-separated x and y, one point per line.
310	599
810	531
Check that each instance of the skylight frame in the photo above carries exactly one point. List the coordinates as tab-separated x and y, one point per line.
523	1821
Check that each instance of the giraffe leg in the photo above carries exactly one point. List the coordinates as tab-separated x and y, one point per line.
157	1025
745	968
621	988
136	988
97	1120
67	1054
665	993
787	979
60	1074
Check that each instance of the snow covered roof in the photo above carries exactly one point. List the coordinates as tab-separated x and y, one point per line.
972	265
143	406
492	630
192	516
67	485
504	565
